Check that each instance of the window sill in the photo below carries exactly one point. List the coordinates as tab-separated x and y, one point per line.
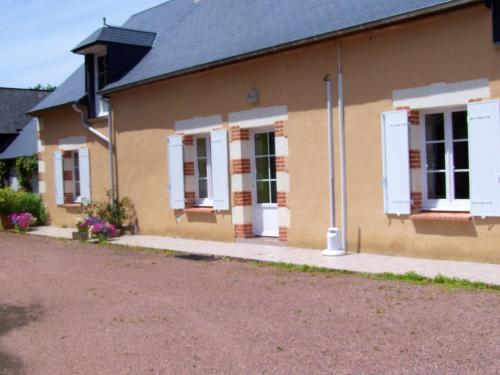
441	216
71	205
198	210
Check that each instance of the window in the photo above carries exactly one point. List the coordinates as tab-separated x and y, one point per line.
203	171
100	83
76	175
445	158
265	167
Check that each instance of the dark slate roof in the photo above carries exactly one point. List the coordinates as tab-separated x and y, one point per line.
195	34
120	35
14	103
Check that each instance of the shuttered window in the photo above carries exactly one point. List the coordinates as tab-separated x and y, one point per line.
220	169
395	155
58	178
175	162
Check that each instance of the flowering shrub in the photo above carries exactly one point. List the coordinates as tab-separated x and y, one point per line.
22	221
96	227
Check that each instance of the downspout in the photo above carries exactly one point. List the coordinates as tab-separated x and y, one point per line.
332	238
86	125
342	151
112	183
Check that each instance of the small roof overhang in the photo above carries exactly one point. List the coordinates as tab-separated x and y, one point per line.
113	34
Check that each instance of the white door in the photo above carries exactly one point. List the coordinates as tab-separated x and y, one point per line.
264	200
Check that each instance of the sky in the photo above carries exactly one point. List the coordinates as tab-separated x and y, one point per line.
38	35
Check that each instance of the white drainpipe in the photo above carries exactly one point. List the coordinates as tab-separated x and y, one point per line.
83	120
336	246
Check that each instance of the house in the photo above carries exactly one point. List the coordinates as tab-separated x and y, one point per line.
18	131
214	117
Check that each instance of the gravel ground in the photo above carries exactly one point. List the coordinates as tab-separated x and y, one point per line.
67	308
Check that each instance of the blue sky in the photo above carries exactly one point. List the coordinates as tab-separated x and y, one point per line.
38	35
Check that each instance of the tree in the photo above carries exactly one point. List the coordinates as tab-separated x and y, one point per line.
40	87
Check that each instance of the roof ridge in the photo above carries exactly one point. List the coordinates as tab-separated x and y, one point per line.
128	29
148	9
24	89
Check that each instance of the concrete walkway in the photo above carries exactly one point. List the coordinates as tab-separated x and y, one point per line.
370	263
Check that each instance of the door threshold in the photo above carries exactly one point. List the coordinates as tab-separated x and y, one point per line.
262	240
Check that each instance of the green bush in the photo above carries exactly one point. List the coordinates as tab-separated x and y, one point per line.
12	201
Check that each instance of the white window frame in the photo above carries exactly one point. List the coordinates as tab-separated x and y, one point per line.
449	203
101	107
203	202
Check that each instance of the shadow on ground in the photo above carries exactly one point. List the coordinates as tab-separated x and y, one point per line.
12	317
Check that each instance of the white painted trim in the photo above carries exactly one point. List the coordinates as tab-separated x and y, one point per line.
284	217
241	182
208	158
41	166
242	214
240	150
441	94
281	144
72	143
283	182
198	125
39	146
263	116
42	187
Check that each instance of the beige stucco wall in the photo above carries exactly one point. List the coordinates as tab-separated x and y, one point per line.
56	125
450	47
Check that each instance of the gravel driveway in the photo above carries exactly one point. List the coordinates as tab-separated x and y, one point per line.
67	308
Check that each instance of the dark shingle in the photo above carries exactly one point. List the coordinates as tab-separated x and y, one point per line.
194	33
14	103
112	34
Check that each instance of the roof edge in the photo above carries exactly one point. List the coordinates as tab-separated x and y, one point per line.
36	112
451	5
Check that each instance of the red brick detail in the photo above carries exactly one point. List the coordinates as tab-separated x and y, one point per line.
242	198
188	140
416	201
413	115
39	156
280	164
67	154
477	100
279	128
238	134
243	230
190	199
241	166
38	136
41	176
283	234
282	199
68	198
188	168
442	216
68	175
415	162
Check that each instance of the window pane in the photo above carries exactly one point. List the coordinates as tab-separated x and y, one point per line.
434	127
261	146
202	168
459	120
202	189
262	165
271	144
201	147
435	156
462	185
263	192
273	167
436	185
274	198
461	155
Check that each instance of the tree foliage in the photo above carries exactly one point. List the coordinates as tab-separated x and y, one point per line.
40	87
4	173
26	168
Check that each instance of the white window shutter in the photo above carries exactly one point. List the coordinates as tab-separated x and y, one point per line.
84	165
175	172
396	162
220	169
58	178
484	157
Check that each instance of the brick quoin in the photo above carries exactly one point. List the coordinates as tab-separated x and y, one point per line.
282	199
68	175
279	128
243	231
190	199
68	198
188	168
242	198
188	140
238	134
39	156
280	164
415	162
413	115
283	234
416	201
241	166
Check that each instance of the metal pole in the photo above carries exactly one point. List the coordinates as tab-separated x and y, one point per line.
342	151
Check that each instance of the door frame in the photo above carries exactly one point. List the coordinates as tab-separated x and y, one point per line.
253	175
